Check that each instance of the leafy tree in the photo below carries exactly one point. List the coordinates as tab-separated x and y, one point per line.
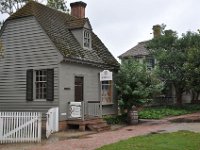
136	85
10	6
192	66
58	4
171	55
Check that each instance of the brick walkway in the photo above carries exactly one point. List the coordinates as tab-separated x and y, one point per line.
94	141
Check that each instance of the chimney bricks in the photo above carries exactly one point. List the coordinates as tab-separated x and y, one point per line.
78	9
156	31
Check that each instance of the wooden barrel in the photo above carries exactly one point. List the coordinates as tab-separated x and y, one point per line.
133	117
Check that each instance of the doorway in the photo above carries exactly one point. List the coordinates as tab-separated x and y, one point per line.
78	89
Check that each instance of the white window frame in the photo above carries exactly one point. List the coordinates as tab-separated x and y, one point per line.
34	85
110	89
150	63
87	39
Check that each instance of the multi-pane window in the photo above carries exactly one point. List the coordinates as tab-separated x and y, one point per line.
150	63
41	84
106	92
87	39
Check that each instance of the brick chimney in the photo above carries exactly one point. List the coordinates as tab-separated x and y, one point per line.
156	31
78	9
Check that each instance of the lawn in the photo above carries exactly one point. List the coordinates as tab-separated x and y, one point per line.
156	113
181	140
165	111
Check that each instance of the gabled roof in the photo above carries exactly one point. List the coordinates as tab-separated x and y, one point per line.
138	50
58	25
78	23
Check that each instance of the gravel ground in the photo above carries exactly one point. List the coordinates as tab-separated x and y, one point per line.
73	140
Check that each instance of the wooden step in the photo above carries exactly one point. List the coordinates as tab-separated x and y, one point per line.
97	122
105	128
98	127
94	124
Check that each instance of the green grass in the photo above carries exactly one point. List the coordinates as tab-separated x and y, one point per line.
156	113
165	111
182	140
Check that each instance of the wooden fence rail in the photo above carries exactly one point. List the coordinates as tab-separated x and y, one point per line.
20	127
84	110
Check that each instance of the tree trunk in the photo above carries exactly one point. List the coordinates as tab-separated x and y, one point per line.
179	98
197	96
179	91
193	95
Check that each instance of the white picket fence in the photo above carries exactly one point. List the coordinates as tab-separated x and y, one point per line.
52	123
20	127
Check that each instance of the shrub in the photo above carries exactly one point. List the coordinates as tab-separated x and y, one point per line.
119	119
136	85
164	111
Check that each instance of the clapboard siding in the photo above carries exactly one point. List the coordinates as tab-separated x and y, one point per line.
91	91
34	48
91	87
26	47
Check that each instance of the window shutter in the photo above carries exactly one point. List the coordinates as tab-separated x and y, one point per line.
29	85
50	84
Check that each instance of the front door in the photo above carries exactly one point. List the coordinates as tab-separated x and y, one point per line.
78	89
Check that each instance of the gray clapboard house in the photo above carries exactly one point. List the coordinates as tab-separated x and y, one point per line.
142	54
49	58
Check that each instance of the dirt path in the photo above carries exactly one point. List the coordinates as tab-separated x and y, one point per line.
93	141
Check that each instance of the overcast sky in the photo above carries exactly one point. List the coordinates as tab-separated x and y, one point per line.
121	24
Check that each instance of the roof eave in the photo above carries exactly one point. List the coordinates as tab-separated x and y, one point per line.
95	64
132	56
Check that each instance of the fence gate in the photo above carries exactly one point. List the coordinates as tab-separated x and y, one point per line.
20	127
52	121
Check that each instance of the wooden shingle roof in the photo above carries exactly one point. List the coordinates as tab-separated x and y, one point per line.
77	23
58	25
138	50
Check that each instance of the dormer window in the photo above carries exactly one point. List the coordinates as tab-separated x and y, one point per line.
86	39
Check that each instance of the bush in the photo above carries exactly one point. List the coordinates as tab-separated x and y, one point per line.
164	111
136	85
116	119
155	113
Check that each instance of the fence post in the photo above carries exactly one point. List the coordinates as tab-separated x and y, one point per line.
68	110
39	126
86	108
82	110
1	126
101	109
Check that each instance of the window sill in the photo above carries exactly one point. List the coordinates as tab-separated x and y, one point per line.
105	104
39	100
87	48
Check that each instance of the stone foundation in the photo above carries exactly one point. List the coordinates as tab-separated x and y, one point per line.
63	125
